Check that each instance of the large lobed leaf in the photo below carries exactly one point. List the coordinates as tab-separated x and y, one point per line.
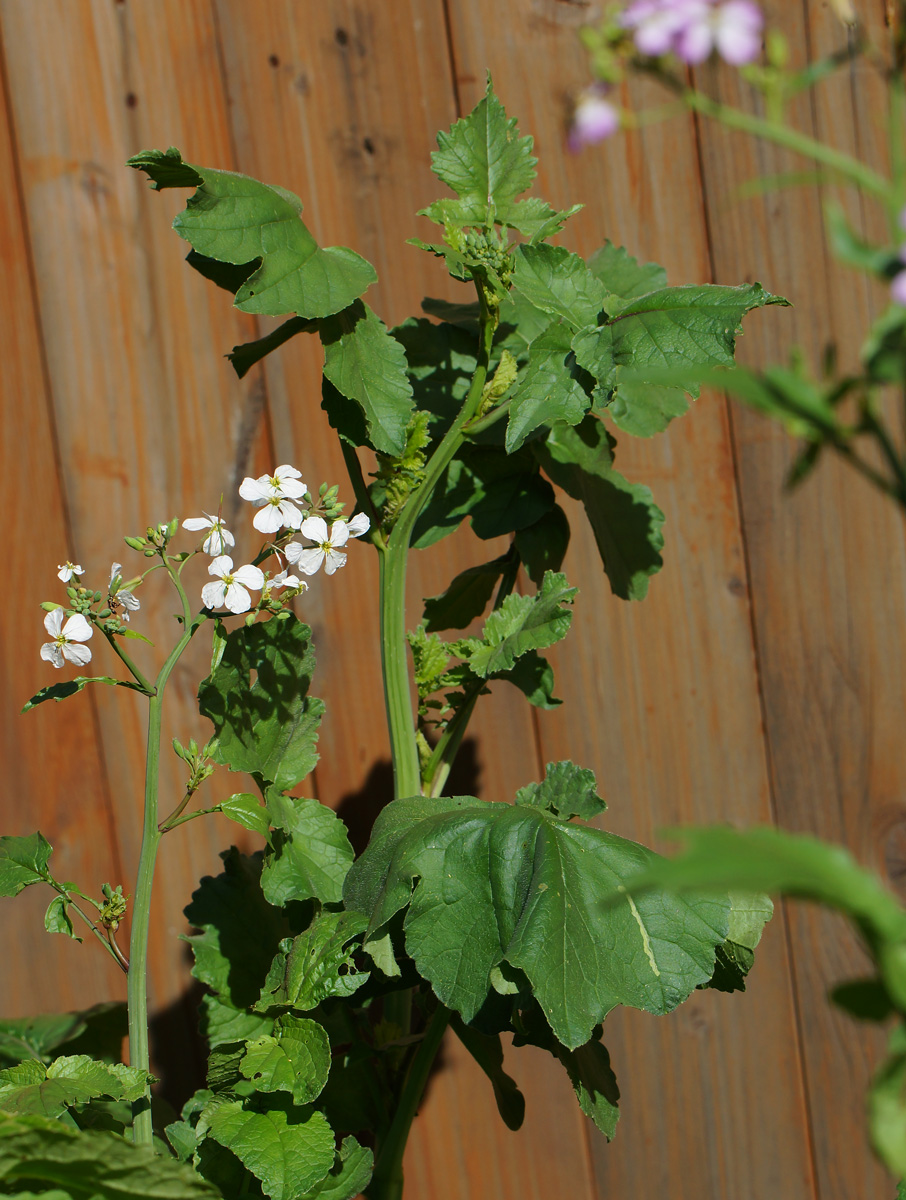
486	884
235	219
23	861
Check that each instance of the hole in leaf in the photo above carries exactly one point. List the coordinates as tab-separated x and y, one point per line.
368	145
273	60
131	99
341	37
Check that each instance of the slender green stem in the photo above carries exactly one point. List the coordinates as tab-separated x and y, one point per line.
896	135
94	929
175	816
172	821
357	480
874	477
894	460
392	558
791	139
137	987
387	1180
146	686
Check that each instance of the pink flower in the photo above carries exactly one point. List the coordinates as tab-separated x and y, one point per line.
593	120
692	29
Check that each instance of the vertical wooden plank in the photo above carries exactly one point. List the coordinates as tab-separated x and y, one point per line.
828	575
151	422
53	776
310	98
661	698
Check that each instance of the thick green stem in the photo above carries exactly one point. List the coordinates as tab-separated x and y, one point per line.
387	1180
791	139
394	659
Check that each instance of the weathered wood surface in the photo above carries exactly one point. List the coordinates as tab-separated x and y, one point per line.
759	681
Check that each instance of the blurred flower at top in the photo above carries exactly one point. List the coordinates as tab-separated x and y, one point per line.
898	283
594	118
692	29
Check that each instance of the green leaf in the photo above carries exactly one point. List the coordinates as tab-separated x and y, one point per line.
221	1023
768	860
864	999
296	1059
244	357
440	360
287	1150
57	919
23	861
749	913
511	493
227	275
349	1175
485	162
594	1082
235	219
558	282
316	964
98	1031
521	624
40	1154
488	1053
887	1105
268	728
849	248
673	329
248	811
465	599
644	409
567	791
69	687
520	324
311	853
367	364
542	546
240	931
516	884
464	315
534	677
32	1088
884	350
623	275
623	516
550	389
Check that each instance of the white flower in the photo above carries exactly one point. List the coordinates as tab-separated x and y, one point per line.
66	638
274	494
326	550
65	571
230	592
218	539
118	598
284	579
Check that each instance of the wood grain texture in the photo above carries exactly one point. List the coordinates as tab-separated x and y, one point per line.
828	572
759	680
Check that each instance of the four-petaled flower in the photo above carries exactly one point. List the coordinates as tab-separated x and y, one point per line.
66	638
230	589
327	549
118	598
274	495
594	118
691	29
65	571
218	539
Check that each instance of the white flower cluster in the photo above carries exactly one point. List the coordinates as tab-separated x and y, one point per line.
276	497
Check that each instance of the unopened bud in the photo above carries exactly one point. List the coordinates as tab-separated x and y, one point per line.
49	605
135	543
149	554
172	527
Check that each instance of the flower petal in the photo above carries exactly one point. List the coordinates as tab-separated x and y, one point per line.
51	653
339	533
237	599
212	595
250	575
293	551
259	491
292	517
77	629
268	519
194	523
335	560
359	524
222	565
314	528
79	655
310	559
53	622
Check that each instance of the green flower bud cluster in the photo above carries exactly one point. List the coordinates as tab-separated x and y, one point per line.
196	760
114	907
156	538
397	478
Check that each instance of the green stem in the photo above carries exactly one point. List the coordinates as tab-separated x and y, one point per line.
882	435
791	139
174	820
387	1180
146	686
137	986
94	929
392	558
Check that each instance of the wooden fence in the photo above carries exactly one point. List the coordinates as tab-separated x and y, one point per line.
762	680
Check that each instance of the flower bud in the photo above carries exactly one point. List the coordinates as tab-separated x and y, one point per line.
135	543
49	605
